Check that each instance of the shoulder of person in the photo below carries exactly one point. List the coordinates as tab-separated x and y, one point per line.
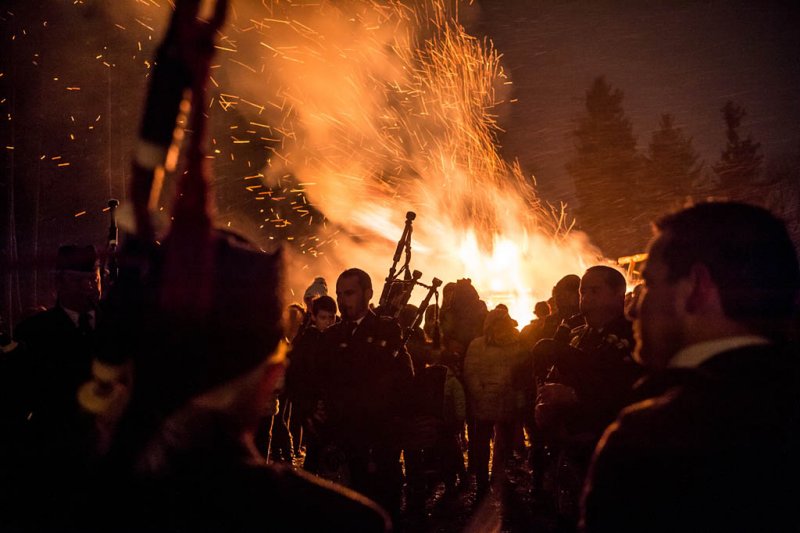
334	331
326	503
387	326
32	328
578	330
621	327
755	361
650	424
575	320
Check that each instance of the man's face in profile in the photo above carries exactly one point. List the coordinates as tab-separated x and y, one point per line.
599	302
656	313
353	301
78	290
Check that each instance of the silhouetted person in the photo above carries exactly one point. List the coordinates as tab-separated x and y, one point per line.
367	381
304	379
532	333
47	437
208	351
589	381
566	307
716	448
491	362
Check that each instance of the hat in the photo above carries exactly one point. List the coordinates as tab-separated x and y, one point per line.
179	355
318	288
78	258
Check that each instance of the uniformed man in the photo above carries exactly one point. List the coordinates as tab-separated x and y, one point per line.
591	379
714	447
600	370
56	346
47	437
367	382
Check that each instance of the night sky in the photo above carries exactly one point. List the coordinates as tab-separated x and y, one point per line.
683	58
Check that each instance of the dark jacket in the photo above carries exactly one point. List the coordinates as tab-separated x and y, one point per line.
47	440
367	385
52	360
303	376
716	451
195	475
598	366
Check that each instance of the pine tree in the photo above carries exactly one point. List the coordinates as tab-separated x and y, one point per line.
740	163
671	168
605	171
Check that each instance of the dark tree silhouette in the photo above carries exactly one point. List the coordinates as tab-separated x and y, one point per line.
671	169
740	163
605	171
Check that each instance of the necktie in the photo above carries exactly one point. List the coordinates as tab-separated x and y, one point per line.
350	329
84	324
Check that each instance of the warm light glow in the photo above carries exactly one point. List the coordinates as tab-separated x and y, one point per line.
378	108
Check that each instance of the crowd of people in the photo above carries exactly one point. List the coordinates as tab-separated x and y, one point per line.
182	394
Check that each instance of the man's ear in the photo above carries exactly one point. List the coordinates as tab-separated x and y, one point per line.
368	293
702	289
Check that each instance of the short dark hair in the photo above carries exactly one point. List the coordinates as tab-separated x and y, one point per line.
748	254
323	303
613	277
364	281
77	258
541	308
567	284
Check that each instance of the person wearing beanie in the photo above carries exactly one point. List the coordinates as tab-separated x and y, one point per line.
319	287
490	364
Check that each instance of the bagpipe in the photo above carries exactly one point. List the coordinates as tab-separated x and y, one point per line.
111	262
400	283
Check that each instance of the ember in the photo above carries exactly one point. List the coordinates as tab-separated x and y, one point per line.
375	109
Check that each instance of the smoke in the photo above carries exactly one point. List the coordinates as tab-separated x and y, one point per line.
372	109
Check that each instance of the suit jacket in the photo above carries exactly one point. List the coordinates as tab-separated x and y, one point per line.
195	474
52	360
716	451
47	444
367	382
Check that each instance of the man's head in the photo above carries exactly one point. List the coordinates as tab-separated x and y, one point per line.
602	295
77	277
499	328
565	295
541	309
714	270
353	293
323	312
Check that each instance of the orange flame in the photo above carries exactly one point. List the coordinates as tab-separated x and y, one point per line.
382	108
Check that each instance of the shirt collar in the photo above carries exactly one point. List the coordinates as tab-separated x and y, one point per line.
76	316
694	355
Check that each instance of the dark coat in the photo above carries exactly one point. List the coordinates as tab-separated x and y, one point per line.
717	451
196	475
303	376
367	394
368	379
47	442
599	367
52	360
